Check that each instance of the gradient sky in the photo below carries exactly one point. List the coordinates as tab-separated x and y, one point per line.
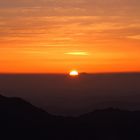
55	36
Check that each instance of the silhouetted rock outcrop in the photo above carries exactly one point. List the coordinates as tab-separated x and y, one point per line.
21	120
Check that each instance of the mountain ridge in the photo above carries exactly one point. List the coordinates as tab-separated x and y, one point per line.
20	118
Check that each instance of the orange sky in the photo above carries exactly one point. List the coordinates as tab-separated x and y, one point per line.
55	36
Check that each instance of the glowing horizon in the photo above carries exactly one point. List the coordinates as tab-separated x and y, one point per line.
54	36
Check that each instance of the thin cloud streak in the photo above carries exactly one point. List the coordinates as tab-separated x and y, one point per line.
78	53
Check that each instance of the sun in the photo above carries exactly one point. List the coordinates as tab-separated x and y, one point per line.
74	73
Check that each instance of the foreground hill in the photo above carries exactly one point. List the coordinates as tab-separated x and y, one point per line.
21	120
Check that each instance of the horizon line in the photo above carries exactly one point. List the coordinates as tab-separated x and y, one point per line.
49	73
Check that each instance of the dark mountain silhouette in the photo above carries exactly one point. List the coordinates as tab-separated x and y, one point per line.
21	120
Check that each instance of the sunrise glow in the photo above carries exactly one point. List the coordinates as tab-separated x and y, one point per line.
56	35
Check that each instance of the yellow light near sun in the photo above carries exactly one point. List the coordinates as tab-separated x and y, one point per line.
74	73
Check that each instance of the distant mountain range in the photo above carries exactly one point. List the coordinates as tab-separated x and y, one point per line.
21	120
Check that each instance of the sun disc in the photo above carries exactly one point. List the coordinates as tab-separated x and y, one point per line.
74	73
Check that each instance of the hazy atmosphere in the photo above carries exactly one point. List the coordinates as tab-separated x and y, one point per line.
65	95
